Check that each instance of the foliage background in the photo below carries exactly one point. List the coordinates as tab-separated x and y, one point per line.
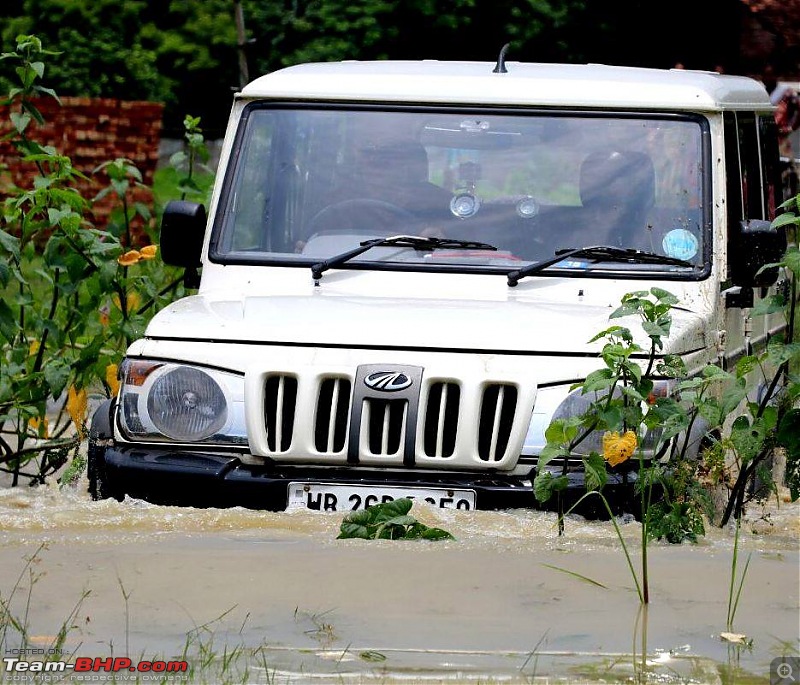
183	53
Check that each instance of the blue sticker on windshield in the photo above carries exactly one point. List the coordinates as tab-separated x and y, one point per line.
680	244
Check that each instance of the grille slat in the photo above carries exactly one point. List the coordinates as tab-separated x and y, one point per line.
280	404
333	409
440	426
332	418
385	422
498	407
441	419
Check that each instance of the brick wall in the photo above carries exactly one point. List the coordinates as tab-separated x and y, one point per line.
91	131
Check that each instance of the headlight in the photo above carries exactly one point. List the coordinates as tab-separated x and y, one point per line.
556	403
165	401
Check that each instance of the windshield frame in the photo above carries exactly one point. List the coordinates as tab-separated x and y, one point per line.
602	269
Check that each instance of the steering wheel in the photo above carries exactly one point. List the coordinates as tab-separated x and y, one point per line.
359	215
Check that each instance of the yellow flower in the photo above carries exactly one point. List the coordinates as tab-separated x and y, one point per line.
618	448
132	301
77	401
111	379
34	348
41	427
148	252
129	258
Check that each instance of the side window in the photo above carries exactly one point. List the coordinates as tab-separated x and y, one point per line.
248	208
773	186
753	176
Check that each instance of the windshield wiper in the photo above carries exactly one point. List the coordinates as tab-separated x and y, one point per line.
413	241
598	253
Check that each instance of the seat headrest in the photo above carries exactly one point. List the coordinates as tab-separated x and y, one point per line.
406	161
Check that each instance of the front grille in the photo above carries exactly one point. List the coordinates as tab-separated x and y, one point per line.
431	423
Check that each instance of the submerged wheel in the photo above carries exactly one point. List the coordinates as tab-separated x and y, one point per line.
99	432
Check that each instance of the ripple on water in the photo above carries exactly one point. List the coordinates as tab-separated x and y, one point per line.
51	512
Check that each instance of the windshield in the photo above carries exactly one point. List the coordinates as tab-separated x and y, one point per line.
308	184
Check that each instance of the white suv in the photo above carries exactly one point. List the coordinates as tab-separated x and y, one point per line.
403	263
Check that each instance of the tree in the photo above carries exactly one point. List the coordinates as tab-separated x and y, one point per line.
185	53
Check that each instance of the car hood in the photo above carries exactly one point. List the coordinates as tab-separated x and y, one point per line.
530	324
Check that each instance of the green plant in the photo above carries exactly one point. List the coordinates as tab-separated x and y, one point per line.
735	587
642	397
13	625
622	413
388	521
73	295
188	175
46	345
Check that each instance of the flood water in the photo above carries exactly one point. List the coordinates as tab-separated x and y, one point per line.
274	598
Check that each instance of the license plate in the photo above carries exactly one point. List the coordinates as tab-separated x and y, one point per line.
331	497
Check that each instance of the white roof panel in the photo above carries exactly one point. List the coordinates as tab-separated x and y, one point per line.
561	85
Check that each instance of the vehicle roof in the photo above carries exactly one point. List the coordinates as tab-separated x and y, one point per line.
553	85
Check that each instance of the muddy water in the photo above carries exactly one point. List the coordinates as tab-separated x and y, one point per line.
507	601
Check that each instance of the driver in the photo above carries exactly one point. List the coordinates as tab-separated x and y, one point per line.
385	189
397	173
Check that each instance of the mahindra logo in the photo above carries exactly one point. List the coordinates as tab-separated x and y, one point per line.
387	381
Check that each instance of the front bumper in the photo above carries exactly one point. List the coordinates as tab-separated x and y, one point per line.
196	478
203	479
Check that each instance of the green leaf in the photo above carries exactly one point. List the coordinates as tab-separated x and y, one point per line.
8	322
390	510
545	484
785	220
714	372
745	365
747	439
770	305
57	374
595	471
672	366
788	434
610	417
599	380
664	296
732	397
562	431
656	329
549	452
625	310
350	530
778	352
9	243
20	121
711	411
792	260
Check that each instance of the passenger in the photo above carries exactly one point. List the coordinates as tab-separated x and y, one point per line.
617	190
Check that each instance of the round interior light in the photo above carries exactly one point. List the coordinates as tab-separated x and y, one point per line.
464	205
527	208
186	404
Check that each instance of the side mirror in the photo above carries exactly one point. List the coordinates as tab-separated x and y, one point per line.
182	228
755	244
